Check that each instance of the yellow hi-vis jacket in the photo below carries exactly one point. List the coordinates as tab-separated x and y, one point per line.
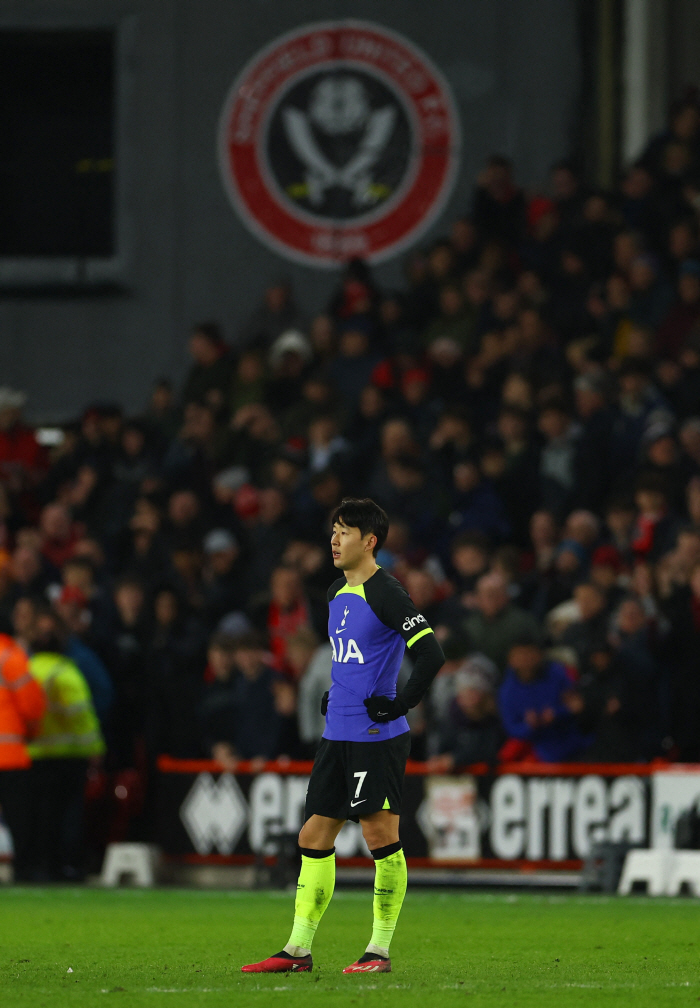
69	728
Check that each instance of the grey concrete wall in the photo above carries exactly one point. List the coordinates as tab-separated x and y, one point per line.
512	64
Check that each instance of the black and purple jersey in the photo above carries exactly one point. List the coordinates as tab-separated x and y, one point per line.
369	628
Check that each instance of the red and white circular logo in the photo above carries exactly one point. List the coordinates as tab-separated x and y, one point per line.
339	139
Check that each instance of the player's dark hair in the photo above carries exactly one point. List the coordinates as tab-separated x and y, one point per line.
365	515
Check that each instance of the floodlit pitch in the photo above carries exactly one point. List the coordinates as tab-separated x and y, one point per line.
82	948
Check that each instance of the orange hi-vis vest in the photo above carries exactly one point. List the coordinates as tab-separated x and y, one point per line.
22	705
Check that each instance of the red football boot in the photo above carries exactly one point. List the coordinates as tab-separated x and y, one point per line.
370	963
282	962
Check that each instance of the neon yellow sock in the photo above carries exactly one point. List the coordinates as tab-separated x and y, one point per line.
390	882
314	891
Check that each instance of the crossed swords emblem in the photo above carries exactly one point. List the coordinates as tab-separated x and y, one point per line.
339	105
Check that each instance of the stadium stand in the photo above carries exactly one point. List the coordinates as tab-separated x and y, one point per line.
526	409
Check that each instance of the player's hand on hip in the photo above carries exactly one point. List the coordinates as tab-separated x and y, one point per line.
381	709
324	703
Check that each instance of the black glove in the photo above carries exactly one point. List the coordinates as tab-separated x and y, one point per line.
324	703
381	709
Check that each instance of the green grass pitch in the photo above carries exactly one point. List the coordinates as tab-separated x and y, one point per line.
79	948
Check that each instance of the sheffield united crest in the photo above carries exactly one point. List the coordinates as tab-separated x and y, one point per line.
339	139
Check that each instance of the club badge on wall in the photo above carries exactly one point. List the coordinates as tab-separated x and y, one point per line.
339	139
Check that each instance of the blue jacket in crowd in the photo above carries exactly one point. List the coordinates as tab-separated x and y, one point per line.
554	742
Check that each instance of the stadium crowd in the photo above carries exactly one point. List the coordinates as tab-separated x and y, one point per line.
527	411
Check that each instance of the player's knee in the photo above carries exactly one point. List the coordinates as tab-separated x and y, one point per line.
378	834
319	833
306	835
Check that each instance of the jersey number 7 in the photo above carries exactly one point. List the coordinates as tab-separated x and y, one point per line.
361	774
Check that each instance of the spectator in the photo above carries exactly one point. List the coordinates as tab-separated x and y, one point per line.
367	426
451	440
288	359
472	731
249	384
198	449
407	494
544	538
22	706
607	572
620	521
141	548
312	685
326	444
222	576
238	714
71	606
28	574
425	594
495	621
268	536
417	403
465	244
285	612
22	459
394	554
323	339
541	244
79	572
499	206
651	295
277	314
639	401
69	736
559	458
633	638
125	651
568	193
683	128
58	534
589	632
209	377
517	483
683	313
161	415
255	440
469	555
175	680
455	323
604	706
532	702
356	297
657	527
475	505
351	370
594	476
637	203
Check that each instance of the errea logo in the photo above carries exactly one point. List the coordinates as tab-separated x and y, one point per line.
411	621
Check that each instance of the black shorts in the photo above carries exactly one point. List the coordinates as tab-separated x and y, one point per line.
354	779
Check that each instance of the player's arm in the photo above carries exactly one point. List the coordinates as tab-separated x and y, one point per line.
396	610
428	659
